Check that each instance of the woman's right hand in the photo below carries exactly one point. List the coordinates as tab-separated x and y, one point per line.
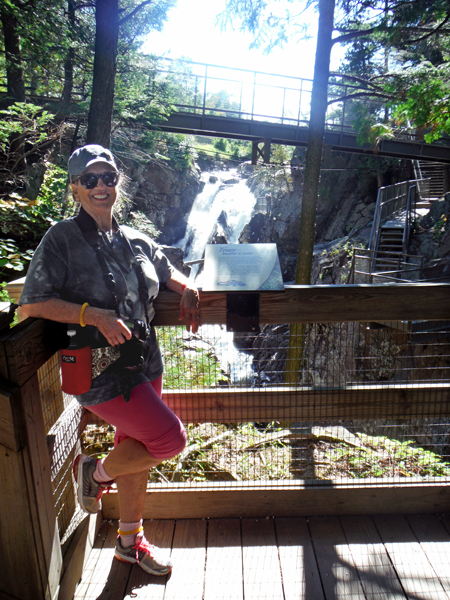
106	321
109	324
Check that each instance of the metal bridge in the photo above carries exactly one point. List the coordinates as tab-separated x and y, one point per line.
268	108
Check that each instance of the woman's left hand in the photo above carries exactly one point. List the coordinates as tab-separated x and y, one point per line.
190	309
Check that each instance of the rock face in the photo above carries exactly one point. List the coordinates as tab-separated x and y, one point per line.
166	197
431	240
348	193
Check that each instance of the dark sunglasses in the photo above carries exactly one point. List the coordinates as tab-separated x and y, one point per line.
90	180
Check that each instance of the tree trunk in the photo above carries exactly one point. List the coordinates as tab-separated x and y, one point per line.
68	63
319	99
105	65
15	160
14	72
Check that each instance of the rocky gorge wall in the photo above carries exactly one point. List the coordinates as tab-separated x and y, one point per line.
334	353
347	197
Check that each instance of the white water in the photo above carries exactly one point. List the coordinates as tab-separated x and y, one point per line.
236	202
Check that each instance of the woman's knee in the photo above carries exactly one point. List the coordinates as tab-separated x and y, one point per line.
168	445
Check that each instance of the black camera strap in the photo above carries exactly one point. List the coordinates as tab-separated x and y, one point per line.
91	232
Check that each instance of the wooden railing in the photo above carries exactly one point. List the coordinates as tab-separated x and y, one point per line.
37	449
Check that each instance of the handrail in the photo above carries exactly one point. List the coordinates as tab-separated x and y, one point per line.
399	259
391	200
259	80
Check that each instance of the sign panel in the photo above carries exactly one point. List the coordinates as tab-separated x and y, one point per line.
242	267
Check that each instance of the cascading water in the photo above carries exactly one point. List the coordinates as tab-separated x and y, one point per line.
225	201
229	205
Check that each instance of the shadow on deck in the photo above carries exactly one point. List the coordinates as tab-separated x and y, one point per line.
318	558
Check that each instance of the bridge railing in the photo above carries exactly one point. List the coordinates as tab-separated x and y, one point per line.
245	94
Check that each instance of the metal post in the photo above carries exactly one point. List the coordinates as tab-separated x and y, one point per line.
254	91
300	103
343	110
204	89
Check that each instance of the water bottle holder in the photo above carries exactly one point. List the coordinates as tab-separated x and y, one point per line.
76	370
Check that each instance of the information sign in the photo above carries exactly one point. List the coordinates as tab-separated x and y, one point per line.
242	267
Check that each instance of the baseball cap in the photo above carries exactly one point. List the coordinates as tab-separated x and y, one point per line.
84	157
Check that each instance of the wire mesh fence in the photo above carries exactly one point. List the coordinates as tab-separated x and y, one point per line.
370	402
245	423
62	416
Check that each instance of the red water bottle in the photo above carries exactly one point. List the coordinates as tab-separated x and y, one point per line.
76	367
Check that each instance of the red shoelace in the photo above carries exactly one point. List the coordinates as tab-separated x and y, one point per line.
144	546
103	489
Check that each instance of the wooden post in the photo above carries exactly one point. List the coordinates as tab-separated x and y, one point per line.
254	153
30	550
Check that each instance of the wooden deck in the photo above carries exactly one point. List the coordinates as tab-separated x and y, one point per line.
320	558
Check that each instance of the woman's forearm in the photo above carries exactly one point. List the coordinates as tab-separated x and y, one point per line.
178	283
190	310
54	309
109	324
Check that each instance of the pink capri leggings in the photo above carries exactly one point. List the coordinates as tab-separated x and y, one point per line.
145	418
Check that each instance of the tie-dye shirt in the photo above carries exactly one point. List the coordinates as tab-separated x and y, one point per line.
65	266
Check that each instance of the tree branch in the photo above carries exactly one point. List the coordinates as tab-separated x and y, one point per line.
342	39
133	12
357	79
432	32
88	5
367	94
350	35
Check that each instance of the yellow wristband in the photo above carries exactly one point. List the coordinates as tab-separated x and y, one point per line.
83	308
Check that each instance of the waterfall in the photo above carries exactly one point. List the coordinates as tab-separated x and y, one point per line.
227	202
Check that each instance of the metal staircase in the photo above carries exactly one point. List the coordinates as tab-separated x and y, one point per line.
431	178
390	244
386	257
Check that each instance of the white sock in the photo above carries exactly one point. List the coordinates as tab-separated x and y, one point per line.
128	532
100	475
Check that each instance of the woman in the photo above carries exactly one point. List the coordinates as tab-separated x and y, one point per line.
101	279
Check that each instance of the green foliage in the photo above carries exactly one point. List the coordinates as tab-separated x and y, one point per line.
423	98
26	131
187	367
235	149
439	229
53	188
228	453
142	95
221	144
222	101
367	130
5	297
281	154
391	457
23	119
177	149
11	258
27	221
136	25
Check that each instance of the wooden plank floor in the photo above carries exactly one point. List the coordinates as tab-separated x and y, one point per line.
320	558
